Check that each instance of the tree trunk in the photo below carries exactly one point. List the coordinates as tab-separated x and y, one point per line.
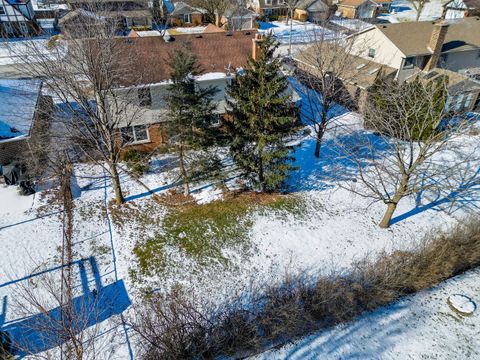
217	19
183	172
261	176
318	144
385	223
116	184
290	35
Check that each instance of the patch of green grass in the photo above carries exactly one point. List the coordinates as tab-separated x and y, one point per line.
203	232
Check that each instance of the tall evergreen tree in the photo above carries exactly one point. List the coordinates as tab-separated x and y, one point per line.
260	116
190	110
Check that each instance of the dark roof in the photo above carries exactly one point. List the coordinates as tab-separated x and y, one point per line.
305	4
215	52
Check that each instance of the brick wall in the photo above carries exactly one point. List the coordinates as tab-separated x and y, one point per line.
158	137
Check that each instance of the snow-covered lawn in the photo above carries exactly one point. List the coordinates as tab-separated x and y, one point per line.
329	228
402	10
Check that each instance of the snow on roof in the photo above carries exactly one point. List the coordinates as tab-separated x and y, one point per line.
18	100
29	51
47	5
351	24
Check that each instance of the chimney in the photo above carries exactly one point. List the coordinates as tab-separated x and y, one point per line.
437	39
255	46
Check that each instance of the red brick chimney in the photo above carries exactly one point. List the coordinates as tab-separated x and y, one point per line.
255	45
437	39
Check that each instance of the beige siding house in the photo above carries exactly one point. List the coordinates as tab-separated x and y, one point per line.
421	46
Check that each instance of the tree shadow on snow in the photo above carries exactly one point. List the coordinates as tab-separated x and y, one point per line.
335	163
459	192
41	332
367	337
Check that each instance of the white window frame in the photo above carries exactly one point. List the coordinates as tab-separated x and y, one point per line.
187	18
135	141
2	10
372	52
269	2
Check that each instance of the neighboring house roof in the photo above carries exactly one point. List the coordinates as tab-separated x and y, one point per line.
135	33
469	4
180	8
354	3
239	12
412	38
18	101
210	28
316	5
360	71
79	12
216	52
456	82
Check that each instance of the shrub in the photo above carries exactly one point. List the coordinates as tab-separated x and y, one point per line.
178	326
136	161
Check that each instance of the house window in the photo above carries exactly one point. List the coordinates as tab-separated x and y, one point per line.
409	63
145	96
8	28
2	10
23	28
371	53
187	18
135	134
268	2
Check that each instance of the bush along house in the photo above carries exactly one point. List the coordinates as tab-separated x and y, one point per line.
17	19
220	55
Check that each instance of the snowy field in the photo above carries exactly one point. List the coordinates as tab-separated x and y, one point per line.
332	229
402	10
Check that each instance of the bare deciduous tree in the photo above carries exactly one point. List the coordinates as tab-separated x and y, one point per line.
418	6
82	71
417	148
215	8
324	69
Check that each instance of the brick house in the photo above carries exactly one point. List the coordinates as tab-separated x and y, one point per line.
24	115
219	55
